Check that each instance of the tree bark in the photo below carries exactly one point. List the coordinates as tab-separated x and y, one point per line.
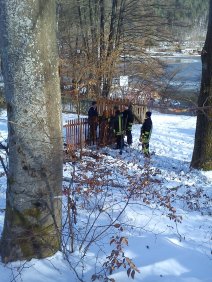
202	154
30	69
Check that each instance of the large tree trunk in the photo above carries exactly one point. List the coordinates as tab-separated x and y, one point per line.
30	69
202	154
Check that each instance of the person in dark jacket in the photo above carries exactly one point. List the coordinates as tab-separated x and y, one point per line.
92	112
93	121
128	119
146	131
118	128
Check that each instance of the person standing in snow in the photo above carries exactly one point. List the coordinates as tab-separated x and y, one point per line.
93	121
128	119
146	131
118	129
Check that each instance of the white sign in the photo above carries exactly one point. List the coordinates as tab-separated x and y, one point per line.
123	80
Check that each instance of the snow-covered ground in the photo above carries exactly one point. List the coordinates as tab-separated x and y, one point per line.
163	250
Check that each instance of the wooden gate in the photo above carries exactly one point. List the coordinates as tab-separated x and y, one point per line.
76	133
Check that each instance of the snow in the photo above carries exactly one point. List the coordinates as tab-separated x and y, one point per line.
163	250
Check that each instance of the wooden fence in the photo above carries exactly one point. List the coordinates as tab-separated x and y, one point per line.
77	131
81	106
78	135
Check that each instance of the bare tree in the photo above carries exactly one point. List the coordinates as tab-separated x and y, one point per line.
30	70
99	34
202	154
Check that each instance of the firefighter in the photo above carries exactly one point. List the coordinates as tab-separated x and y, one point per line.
146	131
128	119
118	127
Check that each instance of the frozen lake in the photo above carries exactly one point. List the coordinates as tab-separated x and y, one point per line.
188	71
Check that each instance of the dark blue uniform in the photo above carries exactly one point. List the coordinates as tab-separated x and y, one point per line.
146	131
128	119
93	122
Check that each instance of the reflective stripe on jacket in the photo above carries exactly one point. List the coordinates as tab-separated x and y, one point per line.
118	124
146	130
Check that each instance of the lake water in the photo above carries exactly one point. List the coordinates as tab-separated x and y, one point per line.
188	71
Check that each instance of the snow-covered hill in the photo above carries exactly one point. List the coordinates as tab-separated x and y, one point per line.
163	250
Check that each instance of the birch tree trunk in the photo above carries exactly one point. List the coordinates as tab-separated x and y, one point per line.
202	154
30	69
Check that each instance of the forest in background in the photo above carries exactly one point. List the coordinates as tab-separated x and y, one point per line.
187	18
